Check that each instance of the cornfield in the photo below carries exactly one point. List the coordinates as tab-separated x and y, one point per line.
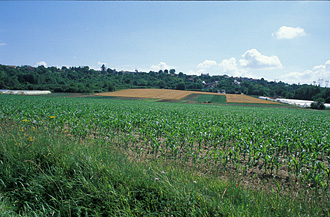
274	141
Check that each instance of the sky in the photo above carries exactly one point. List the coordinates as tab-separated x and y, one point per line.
281	41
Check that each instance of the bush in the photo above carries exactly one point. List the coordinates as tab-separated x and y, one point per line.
318	104
327	100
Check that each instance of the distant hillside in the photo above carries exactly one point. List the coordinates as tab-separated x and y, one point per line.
86	80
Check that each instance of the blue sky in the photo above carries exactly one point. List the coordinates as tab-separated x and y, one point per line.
287	41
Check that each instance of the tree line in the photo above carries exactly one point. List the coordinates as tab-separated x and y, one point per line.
83	79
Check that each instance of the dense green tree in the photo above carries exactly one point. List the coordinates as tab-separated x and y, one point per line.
318	104
180	86
103	68
84	79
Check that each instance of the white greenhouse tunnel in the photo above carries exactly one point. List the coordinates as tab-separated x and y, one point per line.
25	92
297	102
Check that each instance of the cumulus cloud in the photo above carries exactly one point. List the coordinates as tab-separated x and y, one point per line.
325	67
320	72
286	32
160	66
297	77
2	44
101	63
229	65
244	67
231	68
255	60
207	64
42	63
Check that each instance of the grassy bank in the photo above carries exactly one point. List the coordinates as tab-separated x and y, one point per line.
44	173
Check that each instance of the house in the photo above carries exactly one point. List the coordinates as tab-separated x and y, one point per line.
190	79
237	82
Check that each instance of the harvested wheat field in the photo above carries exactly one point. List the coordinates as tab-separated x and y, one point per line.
167	94
238	98
153	93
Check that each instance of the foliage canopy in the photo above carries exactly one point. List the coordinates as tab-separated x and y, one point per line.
82	79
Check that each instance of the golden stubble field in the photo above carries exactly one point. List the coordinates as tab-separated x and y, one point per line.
238	98
180	94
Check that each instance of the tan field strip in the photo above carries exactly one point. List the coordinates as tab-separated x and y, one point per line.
179	94
238	98
153	93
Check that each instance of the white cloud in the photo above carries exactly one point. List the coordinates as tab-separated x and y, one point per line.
286	32
41	63
320	72
320	67
160	66
229	65
325	67
255	60
96	68
2	44
191	72
101	63
201	71
298	77
245	67
207	64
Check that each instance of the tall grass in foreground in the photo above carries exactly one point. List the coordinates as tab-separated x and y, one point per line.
43	173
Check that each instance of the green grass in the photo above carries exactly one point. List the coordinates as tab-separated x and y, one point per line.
54	175
218	99
206	98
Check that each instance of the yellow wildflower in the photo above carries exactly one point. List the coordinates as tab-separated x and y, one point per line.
30	139
52	116
25	120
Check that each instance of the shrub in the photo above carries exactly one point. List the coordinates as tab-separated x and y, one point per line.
318	104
